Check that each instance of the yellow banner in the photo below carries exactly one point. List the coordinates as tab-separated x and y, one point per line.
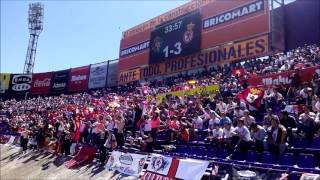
4	82
221	54
129	76
209	90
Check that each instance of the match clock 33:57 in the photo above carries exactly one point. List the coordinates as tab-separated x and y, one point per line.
178	37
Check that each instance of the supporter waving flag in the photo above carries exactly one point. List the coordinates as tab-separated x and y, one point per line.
252	96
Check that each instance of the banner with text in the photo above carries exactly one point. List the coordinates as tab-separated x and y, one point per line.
60	81
126	163
4	82
79	79
129	76
98	75
209	90
162	167
41	83
284	78
221	54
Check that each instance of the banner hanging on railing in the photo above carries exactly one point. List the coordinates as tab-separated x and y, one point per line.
126	163
163	167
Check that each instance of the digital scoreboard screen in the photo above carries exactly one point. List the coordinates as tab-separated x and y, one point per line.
178	37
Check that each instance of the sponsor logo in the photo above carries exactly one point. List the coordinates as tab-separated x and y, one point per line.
234	14
98	70
126	159
135	48
276	81
78	78
61	75
159	163
59	85
21	87
20	79
44	83
21	82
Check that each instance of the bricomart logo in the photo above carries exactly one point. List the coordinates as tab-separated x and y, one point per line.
233	14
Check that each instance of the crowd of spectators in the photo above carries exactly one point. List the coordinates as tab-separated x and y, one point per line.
109	118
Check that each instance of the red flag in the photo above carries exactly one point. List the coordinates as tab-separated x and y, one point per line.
85	155
77	134
252	96
238	72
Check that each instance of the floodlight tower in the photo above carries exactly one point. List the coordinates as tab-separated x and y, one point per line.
35	25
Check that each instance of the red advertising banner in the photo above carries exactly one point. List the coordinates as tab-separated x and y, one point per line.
41	83
284	78
79	79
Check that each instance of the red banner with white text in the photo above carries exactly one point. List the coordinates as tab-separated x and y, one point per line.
79	79
284	78
41	83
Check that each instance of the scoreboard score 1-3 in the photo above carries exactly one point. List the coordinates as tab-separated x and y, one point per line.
178	37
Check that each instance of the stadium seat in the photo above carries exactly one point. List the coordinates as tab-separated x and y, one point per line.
252	156
267	158
181	149
286	159
223	153
315	143
306	161
200	151
211	153
299	143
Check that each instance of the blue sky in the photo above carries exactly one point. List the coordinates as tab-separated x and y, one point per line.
76	33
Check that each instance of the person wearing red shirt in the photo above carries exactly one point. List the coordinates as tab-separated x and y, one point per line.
155	123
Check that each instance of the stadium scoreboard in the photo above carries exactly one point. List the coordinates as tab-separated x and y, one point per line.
178	37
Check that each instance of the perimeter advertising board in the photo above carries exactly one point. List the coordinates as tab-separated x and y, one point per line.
221	22
78	80
98	75
20	83
112	77
4	82
60	81
41	83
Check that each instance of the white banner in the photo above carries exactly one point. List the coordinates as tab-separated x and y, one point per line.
191	169
98	75
159	164
174	168
126	163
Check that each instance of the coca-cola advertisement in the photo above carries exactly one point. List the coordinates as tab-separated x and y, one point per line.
284	78
41	83
20	83
78	80
60	81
